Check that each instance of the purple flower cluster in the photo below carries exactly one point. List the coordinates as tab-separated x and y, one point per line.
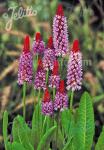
54	79
60	35
74	71
47	105
25	71
49	56
38	45
40	77
61	98
61	101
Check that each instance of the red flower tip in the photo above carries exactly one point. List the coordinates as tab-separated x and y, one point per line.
55	68
38	36
50	42
60	11
62	86
40	64
26	47
75	46
46	96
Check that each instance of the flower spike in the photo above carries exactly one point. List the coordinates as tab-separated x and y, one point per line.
40	77
25	70
54	79
38	46
61	98
74	70
47	105
60	35
49	55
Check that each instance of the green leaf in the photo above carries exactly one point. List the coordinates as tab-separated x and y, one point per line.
100	143
84	128
17	146
67	122
5	126
45	140
23	133
36	132
9	146
14	130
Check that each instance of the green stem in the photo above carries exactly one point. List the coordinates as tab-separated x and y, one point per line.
71	101
24	100
47	77
39	95
57	130
54	91
39	112
34	95
61	65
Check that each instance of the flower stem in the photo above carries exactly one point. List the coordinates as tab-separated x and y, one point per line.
61	65
39	112
39	95
57	129
34	95
47	77
54	91
24	100
71	101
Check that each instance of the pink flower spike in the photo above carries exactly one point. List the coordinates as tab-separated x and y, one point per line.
25	70
47	105
60	34
40	76
61	98
38	46
54	79
49	55
74	70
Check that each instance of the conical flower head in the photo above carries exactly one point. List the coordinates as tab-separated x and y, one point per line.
54	79
60	35
74	70
61	98
49	55
25	70
47	105
38	44
40	77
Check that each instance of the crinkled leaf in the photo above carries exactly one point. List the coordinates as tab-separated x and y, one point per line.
36	126
23	131
84	129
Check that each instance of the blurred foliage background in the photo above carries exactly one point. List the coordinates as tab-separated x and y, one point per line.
85	22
